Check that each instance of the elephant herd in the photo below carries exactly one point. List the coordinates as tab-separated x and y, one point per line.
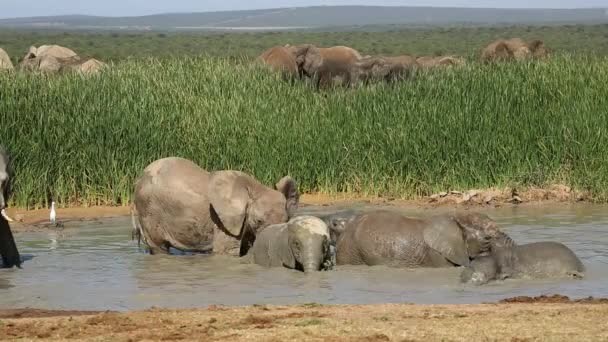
52	59
346	65
179	205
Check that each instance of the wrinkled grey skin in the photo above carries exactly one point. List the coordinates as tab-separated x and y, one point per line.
180	205
323	65
393	239
538	260
300	244
8	248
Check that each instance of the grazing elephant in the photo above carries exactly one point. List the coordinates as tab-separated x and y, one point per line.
389	238
280	59
180	205
6	180
300	244
49	58
388	69
535	260
5	61
8	248
325	64
427	62
514	49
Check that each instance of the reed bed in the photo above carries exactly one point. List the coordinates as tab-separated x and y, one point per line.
84	140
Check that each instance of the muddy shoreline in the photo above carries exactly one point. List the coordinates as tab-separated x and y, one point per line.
472	199
522	319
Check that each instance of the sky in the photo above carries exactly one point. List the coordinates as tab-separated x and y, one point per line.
30	8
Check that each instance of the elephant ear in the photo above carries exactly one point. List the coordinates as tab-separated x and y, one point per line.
446	237
228	194
289	188
502	49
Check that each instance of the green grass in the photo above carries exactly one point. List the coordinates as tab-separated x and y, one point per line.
84	141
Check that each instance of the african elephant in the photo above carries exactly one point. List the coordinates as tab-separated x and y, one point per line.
389	238
325	64
180	205
514	49
6	181
534	260
280	59
8	247
387	69
301	244
5	61
427	62
49	58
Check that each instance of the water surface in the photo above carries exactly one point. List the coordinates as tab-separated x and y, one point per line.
95	266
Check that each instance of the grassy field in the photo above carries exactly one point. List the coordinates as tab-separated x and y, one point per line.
587	39
85	140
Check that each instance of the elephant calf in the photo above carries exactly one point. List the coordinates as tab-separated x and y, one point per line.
533	261
301	244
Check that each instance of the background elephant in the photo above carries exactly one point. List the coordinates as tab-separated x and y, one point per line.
280	59
427	62
180	205
325	64
388	69
8	247
535	260
301	244
389	238
49	58
514	49
5	61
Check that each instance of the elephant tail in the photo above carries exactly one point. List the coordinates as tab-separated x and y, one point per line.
136	232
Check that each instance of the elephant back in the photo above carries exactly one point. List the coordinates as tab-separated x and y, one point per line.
5	61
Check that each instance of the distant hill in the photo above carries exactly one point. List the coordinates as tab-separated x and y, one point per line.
318	17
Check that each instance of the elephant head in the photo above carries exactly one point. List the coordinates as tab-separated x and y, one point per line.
309	243
308	58
240	204
480	232
538	49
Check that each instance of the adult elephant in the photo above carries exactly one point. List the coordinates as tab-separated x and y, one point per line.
388	69
49	58
8	247
6	181
5	61
390	238
280	59
180	205
301	244
325	64
538	260
514	49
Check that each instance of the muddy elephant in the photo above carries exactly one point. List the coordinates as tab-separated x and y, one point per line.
49	58
388	69
8	247
384	237
514	49
301	244
323	65
427	62
180	205
5	61
537	260
280	59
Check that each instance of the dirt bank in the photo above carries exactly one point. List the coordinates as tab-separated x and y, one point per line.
565	321
557	194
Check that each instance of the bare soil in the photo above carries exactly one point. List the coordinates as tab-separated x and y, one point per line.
534	320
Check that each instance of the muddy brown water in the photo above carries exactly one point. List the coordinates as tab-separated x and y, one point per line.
95	266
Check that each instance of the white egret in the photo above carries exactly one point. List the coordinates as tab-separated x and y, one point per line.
53	216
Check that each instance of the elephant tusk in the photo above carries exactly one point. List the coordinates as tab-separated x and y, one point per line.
5	215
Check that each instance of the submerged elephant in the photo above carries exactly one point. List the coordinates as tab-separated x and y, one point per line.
323	65
389	238
532	261
301	244
280	59
5	61
514	49
180	205
388	69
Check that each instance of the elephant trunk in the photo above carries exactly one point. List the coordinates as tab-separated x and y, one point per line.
311	260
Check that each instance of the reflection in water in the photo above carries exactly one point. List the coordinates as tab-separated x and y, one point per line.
96	266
